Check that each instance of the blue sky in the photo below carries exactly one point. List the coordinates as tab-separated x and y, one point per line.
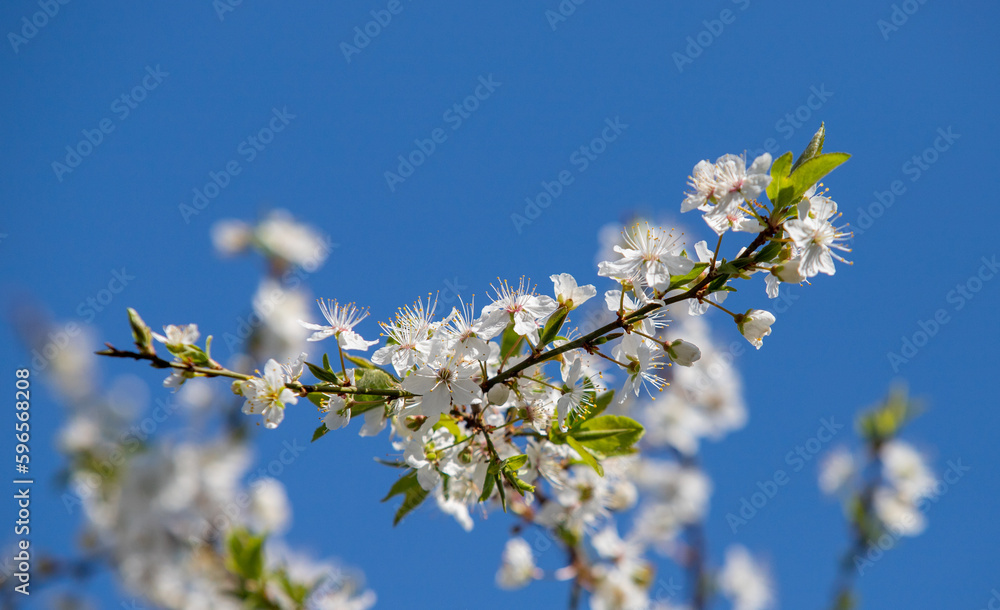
688	82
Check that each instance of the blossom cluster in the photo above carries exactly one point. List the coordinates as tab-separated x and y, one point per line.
511	406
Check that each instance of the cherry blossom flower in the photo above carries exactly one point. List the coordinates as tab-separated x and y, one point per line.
342	320
568	293
651	251
755	325
267	395
178	336
527	310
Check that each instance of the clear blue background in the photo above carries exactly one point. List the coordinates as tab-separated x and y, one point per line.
452	221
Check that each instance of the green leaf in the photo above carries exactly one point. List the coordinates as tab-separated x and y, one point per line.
323	374
326	363
586	456
812	171
553	326
606	338
508	341
246	554
814	147
448	423
413	499
413	494
601	403
503	494
516	462
317	398
768	252
677	281
321	431
488	485
780	169
365	363
516	482
296	591
402	484
608	434
373	379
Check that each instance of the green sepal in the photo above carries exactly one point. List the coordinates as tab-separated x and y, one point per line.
322	374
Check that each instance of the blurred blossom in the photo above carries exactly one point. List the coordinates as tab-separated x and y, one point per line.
837	471
517	567
744	581
269	506
231	236
297	243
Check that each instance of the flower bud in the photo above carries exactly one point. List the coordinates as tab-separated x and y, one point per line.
682	352
789	272
498	394
140	333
